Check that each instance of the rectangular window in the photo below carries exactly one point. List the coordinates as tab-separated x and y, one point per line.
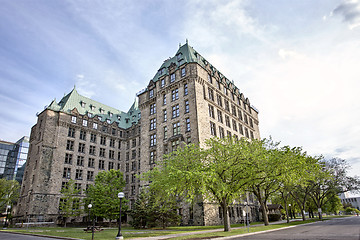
175	94
228	133
211	111
172	77
164	99
152	140
133	166
78	174
234	125
93	137
212	129
67	173
209	78
227	108
251	135
163	82
185	89
165	115
85	123
219	114
78	187
175	144
176	128
70	145
227	121
119	156
111	154
251	122
211	94
133	142
90	176
187	120
82	135
165	132
102	152
233	110
103	140
221	132
218	85
81	147
113	131
68	158
112	142
95	125
187	108
175	111
73	119
183	72
152	157
225	91
133	154
241	129
127	168
240	114
101	164
152	108
92	150
71	132
91	163
80	161
152	124
151	93
219	100
111	165
246	119
246	133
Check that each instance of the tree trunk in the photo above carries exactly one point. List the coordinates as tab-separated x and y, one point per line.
287	213
227	227
320	215
265	215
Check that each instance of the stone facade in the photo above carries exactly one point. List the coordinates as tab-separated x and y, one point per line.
187	101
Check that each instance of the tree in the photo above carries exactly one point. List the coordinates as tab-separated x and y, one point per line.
103	194
9	193
140	211
218	173
69	202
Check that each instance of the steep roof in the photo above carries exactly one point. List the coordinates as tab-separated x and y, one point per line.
92	108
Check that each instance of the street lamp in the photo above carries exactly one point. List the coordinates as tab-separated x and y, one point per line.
93	225
121	195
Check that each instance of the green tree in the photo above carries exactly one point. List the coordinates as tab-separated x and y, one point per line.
69	202
9	192
103	194
218	173
140	212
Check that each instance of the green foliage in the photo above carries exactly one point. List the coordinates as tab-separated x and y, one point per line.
9	193
69	202
103	194
350	210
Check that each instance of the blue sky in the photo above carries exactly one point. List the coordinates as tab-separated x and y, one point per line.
297	61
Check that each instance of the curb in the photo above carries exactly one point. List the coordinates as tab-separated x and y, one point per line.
40	235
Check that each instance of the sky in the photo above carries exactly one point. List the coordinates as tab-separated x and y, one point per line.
296	61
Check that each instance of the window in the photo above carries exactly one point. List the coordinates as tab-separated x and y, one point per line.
233	110
78	174
227	108
246	119
73	119
90	175
221	132
133	190
241	129
102	152
152	108
163	82
183	72
164	99
127	179
92	150
111	154
152	124
81	147
251	135
119	156
152	157
185	89
95	126
240	114
219	114
70	145
93	137
218	85
71	132
103	140
211	94
225	91
211	111
111	165
85	123
127	168
133	154
234	125
246	133
133	166
212	129
187	109
77	187
176	128
82	135
127	156
251	122
172	77
101	164
68	158
209	78
152	140
151	93
112	142
227	121
228	133
133	142
80	161
175	144
113	131
165	132
175	94
219	100
67	173
91	162
187	120
175	111
165	115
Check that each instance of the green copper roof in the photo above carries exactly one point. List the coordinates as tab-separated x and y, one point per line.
87	106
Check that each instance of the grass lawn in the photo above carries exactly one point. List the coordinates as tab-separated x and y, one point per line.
128	232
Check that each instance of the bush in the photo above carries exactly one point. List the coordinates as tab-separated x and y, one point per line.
274	217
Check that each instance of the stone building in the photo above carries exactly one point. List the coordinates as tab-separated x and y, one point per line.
188	100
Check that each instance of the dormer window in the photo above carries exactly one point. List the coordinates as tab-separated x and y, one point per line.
151	93
163	82
108	121
119	118
102	111
179	57
92	107
100	118
127	120
82	104
139	115
73	119
161	71
110	114
90	114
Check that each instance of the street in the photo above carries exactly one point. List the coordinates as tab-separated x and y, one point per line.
12	236
336	229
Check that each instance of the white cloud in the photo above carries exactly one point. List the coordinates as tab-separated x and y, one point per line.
349	10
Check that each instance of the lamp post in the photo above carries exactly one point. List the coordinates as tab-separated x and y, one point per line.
7	216
93	225
121	195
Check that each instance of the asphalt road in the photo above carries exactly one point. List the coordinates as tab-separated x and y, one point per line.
335	229
12	236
